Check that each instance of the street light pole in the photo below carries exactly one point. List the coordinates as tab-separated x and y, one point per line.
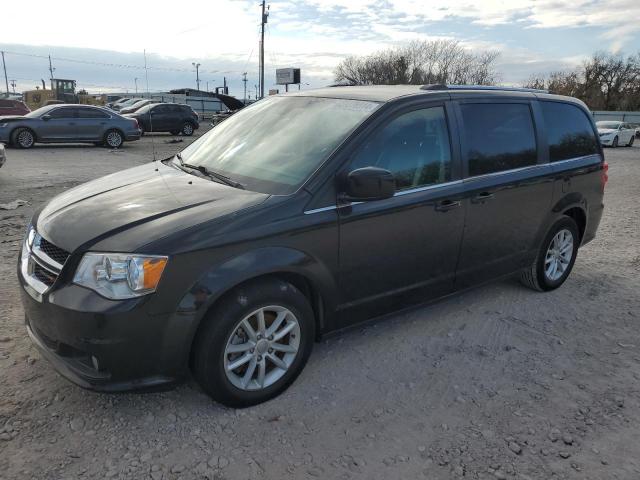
197	65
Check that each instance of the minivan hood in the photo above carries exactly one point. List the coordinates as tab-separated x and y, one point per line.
154	198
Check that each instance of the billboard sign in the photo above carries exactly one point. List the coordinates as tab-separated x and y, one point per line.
286	76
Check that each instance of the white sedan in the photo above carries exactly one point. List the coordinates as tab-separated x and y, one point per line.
614	133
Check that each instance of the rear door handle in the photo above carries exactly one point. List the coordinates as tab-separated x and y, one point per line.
482	197
446	205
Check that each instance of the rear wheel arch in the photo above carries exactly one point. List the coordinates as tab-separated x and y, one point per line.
579	216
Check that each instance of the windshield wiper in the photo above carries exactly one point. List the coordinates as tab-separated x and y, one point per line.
210	173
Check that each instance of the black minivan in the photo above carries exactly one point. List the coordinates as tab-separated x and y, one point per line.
299	215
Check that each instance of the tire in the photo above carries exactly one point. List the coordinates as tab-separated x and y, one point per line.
222	330
614	144
187	129
540	275
23	138
113	138
630	144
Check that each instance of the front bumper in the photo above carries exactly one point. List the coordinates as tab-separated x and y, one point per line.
608	141
98	343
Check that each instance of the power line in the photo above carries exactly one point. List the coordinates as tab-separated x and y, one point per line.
113	65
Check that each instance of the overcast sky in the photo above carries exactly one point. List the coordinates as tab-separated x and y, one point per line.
101	44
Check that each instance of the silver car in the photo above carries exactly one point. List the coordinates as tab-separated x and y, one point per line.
69	124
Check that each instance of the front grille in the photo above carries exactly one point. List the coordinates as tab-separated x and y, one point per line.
44	275
55	253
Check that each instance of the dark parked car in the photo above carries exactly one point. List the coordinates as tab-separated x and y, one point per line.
137	106
68	124
13	107
303	214
167	117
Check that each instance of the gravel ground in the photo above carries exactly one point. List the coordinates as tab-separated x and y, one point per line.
498	382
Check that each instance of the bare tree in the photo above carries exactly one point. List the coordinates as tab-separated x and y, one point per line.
603	82
420	62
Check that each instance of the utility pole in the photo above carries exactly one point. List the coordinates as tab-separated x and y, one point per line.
6	81
244	79
265	15
197	65
136	80
13	85
51	69
224	85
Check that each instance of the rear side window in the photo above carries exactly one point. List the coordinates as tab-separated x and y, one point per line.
91	113
498	137
569	131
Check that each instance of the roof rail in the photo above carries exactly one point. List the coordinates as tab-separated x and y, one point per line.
481	87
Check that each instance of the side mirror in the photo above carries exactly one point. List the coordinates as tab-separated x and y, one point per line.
368	184
46	117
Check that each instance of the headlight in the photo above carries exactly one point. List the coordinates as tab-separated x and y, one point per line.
29	235
119	275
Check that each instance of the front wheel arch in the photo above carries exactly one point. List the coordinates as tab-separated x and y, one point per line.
301	282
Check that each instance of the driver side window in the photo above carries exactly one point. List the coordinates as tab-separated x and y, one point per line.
414	147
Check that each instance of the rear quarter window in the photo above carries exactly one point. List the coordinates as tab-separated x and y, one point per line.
569	131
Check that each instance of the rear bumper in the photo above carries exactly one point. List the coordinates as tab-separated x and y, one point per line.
132	136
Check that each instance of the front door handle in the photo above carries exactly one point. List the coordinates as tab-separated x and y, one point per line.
482	197
446	205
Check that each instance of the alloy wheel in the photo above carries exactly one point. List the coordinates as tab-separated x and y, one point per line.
187	129
262	348
559	255
25	139
114	139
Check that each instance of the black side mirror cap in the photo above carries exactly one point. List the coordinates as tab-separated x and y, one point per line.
368	184
46	117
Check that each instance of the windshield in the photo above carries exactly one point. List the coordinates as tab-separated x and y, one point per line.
40	111
274	145
608	125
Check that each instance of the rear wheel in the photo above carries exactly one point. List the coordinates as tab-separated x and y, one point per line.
187	129
255	343
556	257
23	138
113	139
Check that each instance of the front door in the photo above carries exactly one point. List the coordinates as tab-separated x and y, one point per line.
508	188
60	126
404	248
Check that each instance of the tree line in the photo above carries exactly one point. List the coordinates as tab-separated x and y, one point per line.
605	81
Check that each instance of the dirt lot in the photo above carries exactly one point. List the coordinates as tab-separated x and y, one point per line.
498	382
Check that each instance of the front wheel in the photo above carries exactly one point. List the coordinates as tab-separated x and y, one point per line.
187	129
630	144
255	343
24	138
556	257
615	142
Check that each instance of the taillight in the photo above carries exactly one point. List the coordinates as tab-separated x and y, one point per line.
605	174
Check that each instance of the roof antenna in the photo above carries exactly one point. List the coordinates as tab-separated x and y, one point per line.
146	77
